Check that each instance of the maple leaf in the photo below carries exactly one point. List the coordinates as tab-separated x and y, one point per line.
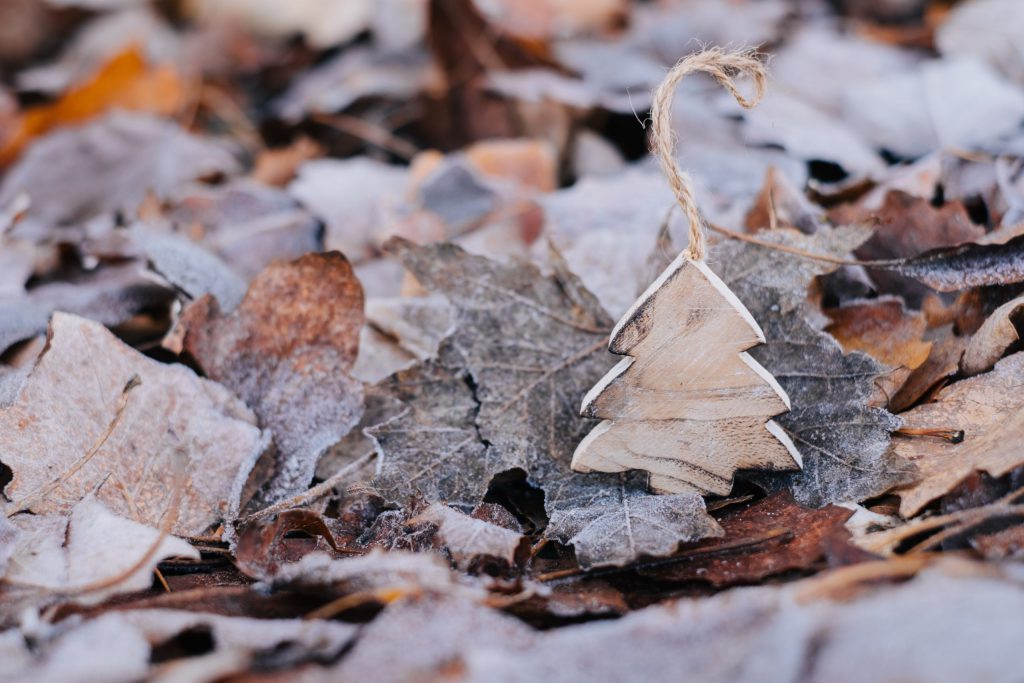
844	441
74	426
286	350
504	394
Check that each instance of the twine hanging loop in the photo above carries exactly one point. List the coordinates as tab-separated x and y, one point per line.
724	67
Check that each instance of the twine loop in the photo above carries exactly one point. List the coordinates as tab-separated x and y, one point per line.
724	67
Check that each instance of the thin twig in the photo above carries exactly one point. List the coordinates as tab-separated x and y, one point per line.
324	488
369	132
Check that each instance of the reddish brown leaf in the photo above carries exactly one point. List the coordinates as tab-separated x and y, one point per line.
771	536
287	350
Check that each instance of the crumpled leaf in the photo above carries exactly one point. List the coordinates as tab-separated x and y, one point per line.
483	408
989	409
614	520
108	165
287	350
54	436
845	443
469	540
766	538
76	555
969	265
995	336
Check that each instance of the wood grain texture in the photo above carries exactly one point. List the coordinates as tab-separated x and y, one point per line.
687	404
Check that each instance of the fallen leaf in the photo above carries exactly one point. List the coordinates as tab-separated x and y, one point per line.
942	364
781	201
970	265
906	227
763	539
190	267
77	555
987	409
248	225
110	295
265	545
286	350
351	75
918	111
986	29
723	638
352	197
517	407
882	329
470	542
105	648
125	82
993	339
809	134
106	166
67	431
844	441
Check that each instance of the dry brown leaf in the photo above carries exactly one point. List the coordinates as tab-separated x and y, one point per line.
996	335
66	433
771	536
883	329
124	82
989	409
287	351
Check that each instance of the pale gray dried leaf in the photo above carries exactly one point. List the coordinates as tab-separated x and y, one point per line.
955	102
249	641
430	635
190	267
845	443
352	197
71	398
433	448
417	324
106	649
524	350
353	74
809	134
8	542
398	570
287	350
990	29
612	519
770	635
110	295
63	555
379	406
107	166
468	539
246	224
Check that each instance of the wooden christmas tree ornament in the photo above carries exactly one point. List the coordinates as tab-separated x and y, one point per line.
688	404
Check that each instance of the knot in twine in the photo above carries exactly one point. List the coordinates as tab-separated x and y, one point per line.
723	67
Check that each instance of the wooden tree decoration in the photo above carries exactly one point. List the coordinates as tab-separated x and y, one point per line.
688	404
